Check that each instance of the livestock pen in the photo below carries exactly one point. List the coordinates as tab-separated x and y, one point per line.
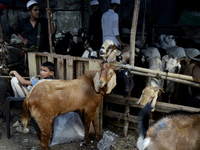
69	67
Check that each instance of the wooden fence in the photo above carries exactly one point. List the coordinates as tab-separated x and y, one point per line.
68	68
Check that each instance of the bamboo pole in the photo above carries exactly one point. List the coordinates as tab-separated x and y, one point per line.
174	75
133	31
1	34
11	77
132	56
49	29
2	45
193	84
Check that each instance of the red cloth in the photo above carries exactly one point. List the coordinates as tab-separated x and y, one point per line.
3	6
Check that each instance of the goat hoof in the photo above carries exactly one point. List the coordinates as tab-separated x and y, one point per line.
88	142
38	135
97	138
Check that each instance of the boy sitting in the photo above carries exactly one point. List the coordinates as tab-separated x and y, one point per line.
19	84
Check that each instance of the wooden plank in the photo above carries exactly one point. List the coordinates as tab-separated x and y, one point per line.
114	114
79	69
38	64
86	65
69	68
44	59
32	64
50	58
160	106
94	65
60	67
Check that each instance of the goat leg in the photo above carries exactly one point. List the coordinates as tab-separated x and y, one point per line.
88	119
45	134
94	121
39	134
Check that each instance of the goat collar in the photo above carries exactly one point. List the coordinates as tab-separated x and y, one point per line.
161	126
102	91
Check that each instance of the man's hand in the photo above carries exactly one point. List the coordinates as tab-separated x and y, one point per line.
124	44
48	11
12	73
25	41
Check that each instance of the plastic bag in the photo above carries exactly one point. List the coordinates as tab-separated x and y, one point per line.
67	128
109	138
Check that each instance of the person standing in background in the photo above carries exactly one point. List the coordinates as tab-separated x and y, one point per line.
33	31
95	31
110	24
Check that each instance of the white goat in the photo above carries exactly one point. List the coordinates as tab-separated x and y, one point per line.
171	65
112	53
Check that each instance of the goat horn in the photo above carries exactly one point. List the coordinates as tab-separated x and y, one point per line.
170	56
161	90
118	47
136	55
179	59
157	88
193	58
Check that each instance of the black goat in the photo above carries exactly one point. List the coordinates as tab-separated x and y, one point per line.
125	82
62	45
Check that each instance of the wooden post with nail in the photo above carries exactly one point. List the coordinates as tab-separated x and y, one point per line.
49	28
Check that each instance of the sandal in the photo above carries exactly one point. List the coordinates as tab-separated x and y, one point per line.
22	130
17	124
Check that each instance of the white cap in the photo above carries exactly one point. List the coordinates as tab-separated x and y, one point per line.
115	1
31	2
94	2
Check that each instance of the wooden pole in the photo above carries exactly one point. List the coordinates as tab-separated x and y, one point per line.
11	77
2	44
132	57
174	75
49	29
133	31
1	34
193	84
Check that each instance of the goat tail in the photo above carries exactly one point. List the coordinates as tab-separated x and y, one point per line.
144	116
26	113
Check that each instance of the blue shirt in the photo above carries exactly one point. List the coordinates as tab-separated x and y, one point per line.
34	82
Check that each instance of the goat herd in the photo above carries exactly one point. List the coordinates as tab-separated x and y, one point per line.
175	131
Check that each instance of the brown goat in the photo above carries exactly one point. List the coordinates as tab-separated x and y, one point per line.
176	131
55	97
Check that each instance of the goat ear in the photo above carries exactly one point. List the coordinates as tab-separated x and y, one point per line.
96	82
111	84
